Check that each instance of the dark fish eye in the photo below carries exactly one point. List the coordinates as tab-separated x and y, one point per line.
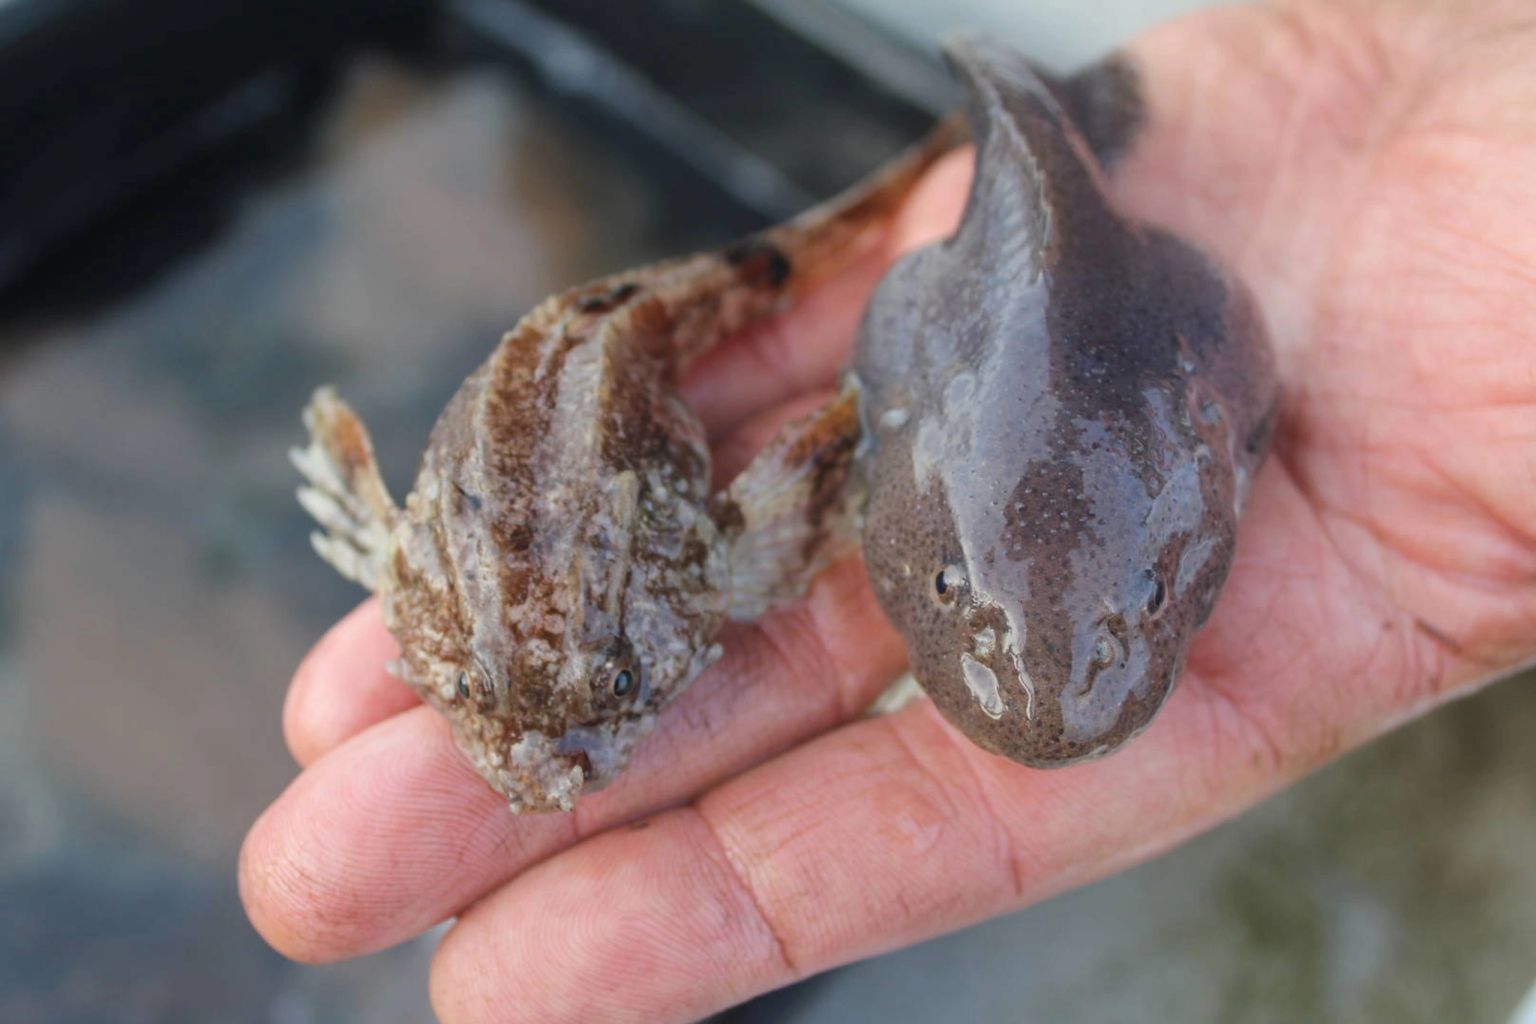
948	583
624	673
464	684
1159	595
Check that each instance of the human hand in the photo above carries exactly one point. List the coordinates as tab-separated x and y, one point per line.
1369	167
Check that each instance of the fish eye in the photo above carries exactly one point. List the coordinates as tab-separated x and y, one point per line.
1159	596
477	685
948	582
623	670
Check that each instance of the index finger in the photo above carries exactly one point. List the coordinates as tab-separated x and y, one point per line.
342	687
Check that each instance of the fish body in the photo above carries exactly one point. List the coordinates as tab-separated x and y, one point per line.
1063	411
561	567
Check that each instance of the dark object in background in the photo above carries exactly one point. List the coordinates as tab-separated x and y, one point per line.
136	120
106	99
725	92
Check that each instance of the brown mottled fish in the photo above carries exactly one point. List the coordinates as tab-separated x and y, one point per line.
561	568
1063	410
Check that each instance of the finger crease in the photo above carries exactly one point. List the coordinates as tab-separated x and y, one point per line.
1007	849
738	874
835	697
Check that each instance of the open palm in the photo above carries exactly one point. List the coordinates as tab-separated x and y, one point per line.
1370	168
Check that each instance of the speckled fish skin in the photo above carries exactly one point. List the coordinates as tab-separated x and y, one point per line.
1063	412
561	567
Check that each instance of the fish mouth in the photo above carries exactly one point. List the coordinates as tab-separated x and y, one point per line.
600	749
539	776
581	761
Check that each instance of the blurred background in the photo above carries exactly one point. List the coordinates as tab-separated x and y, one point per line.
207	208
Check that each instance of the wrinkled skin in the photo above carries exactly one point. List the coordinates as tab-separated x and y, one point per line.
1364	166
1064	412
526	615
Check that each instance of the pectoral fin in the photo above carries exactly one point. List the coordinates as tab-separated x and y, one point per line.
796	508
344	491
